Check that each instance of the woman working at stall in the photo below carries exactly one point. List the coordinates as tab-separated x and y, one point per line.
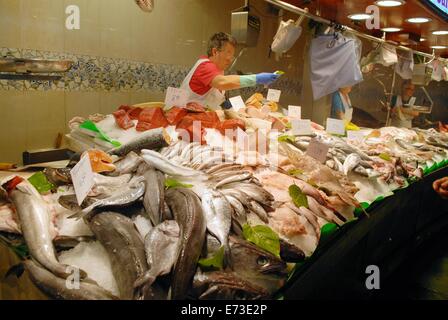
206	82
341	106
403	115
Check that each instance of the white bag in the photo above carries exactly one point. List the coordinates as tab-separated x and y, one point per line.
287	34
422	74
405	65
334	64
388	55
437	70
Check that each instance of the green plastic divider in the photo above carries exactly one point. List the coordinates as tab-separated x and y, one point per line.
90	125
326	231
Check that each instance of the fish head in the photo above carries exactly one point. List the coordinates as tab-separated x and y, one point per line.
252	259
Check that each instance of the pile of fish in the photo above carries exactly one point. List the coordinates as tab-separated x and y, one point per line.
153	216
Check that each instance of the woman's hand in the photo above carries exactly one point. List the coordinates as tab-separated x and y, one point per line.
441	187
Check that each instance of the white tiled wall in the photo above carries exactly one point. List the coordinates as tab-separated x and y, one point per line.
176	32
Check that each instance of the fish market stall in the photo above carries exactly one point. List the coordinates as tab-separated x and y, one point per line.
207	215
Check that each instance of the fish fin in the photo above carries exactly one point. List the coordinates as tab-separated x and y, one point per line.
16	270
146	279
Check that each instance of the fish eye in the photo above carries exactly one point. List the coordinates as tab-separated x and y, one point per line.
261	261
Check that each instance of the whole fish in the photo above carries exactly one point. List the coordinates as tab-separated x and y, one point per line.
187	211
35	222
234	178
161	245
151	139
122	198
128	164
154	194
126	252
225	286
57	287
163	164
351	162
218	216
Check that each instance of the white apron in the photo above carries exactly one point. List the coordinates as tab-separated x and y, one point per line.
400	119
212	98
348	115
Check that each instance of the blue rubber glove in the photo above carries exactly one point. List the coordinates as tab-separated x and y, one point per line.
266	78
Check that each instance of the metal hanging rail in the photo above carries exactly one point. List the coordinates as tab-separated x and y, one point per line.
302	12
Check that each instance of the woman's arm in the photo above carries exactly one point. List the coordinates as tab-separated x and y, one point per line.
229	82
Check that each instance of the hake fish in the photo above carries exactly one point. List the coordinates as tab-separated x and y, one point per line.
187	211
126	251
35	223
218	216
57	287
121	198
161	245
154	197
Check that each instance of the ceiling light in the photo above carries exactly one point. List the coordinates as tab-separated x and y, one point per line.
422	39
391	29
418	20
389	3
440	32
360	16
438	47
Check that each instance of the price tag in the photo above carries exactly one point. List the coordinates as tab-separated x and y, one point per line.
237	103
82	177
356	134
273	95
295	112
335	126
176	97
301	127
317	150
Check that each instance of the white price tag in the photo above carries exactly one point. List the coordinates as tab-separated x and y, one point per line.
176	97
273	95
335	126
82	177
295	112
301	127
317	150
356	134
237	103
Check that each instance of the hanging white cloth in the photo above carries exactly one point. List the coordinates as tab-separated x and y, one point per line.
405	65
334	64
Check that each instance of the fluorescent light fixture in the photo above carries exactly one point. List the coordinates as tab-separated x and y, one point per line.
418	20
390	3
438	47
440	32
391	29
360	16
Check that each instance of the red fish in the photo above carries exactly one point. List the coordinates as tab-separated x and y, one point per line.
122	119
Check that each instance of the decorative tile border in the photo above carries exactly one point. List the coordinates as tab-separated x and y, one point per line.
92	73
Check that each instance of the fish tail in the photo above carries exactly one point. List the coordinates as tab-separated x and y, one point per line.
227	256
